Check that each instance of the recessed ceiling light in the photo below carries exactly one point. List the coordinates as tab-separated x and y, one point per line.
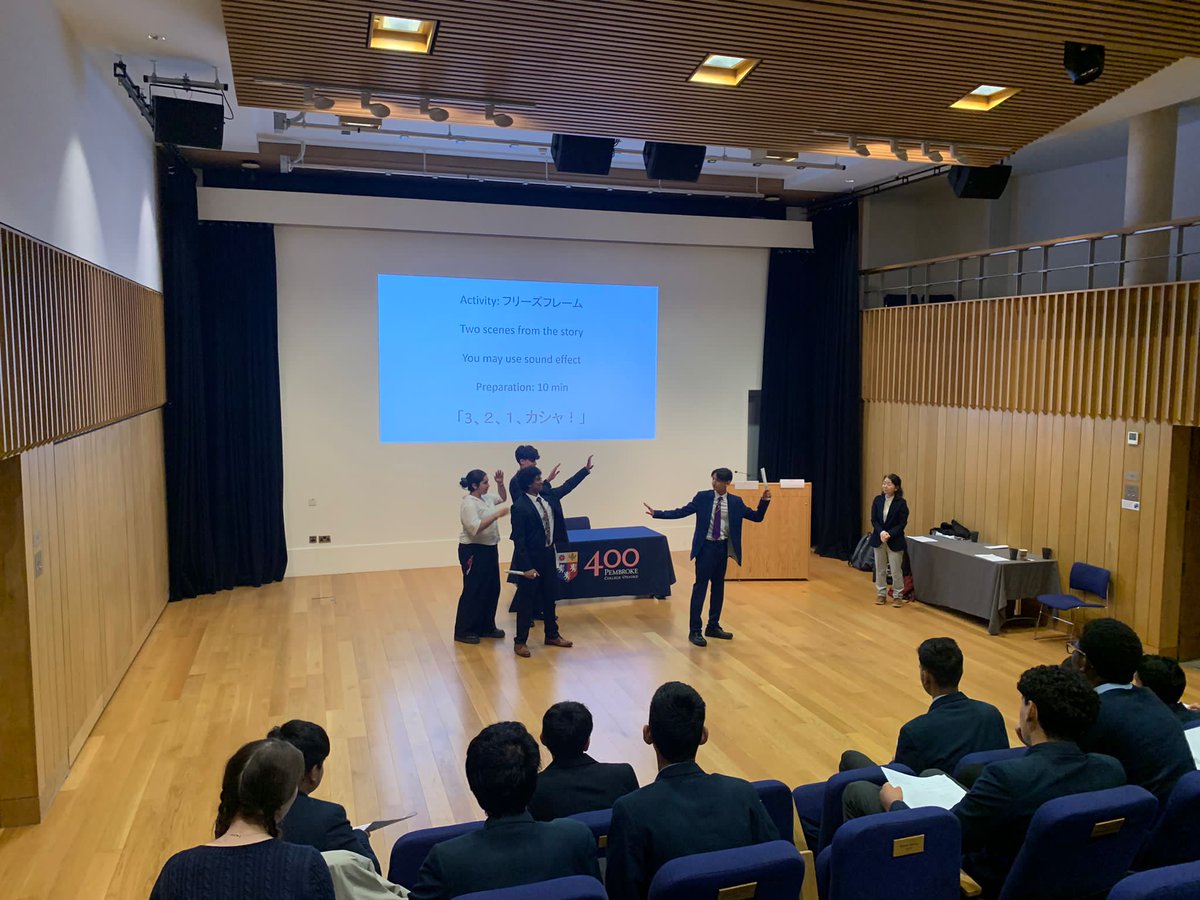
984	97
401	34
849	181
156	37
723	70
360	122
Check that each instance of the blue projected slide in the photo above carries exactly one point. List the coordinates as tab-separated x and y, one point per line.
476	359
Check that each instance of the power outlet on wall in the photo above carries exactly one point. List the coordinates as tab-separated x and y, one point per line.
312	538
323	539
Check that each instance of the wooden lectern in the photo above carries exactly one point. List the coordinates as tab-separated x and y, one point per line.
780	545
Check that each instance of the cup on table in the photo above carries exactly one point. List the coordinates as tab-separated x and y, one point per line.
1012	552
1022	553
1047	553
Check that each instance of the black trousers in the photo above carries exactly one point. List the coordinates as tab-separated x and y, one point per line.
710	569
535	593
480	565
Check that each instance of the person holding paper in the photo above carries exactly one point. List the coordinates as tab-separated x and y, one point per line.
889	516
479	557
1057	707
534	566
718	536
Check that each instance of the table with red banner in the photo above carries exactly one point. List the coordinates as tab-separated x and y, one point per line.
615	562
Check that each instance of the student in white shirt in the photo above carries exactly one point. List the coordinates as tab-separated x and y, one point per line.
479	557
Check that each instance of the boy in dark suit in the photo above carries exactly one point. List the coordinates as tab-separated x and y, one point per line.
1056	708
511	848
574	782
527	457
685	810
718	536
1164	677
1133	724
534	568
317	823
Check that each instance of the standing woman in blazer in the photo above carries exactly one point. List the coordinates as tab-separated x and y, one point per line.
889	516
479	557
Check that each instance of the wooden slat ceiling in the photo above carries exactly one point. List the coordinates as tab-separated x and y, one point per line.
618	68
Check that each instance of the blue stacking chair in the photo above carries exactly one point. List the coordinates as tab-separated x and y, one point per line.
1085	579
599	821
822	802
1175	837
577	523
770	871
777	798
983	757
1081	845
410	850
573	887
1180	882
916	853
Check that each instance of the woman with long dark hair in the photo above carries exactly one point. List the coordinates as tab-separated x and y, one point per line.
479	557
246	860
889	516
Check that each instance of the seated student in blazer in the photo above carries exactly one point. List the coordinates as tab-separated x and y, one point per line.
685	810
718	536
889	518
1133	724
317	823
511	848
574	782
1056	708
1164	677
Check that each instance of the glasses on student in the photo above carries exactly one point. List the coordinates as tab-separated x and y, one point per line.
1073	647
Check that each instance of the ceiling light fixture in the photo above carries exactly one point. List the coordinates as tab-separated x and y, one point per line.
723	70
953	151
360	123
401	34
434	112
156	37
929	153
860	149
317	101
500	120
984	97
897	151
379	110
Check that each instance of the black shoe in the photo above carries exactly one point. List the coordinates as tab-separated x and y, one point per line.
698	639
716	631
467	638
494	633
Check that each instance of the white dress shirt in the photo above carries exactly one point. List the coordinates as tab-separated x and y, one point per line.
473	511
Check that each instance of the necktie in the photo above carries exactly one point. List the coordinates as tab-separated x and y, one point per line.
716	535
546	522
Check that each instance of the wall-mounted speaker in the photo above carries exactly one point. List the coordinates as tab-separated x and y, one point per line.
673	162
188	123
582	155
1084	62
979	182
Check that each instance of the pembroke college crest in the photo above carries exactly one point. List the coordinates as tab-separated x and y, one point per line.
568	566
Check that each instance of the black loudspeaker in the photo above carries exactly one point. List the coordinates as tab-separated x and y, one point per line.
582	155
673	162
1083	62
188	123
979	182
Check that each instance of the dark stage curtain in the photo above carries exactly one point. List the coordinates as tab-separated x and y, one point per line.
222	429
810	422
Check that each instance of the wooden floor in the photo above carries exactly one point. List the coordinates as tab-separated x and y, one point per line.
815	668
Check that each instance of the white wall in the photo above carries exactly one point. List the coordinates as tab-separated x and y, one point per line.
76	161
395	505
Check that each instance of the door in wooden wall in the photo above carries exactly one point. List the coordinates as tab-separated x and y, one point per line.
1189	599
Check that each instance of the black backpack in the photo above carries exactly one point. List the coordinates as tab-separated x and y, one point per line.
863	557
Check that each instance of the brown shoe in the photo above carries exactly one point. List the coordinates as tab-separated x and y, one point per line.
522	651
559	641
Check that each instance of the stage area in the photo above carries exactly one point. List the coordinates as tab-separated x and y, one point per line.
815	667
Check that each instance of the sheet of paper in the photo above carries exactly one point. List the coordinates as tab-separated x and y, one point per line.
762	473
936	790
996	546
920	538
791	482
992	557
382	823
1193	739
745	485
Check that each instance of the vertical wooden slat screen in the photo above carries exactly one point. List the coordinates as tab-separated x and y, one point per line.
1120	353
80	347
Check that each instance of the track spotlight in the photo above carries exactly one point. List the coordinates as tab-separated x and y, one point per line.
1084	62
929	153
953	151
315	100
897	151
379	110
434	112
500	120
860	149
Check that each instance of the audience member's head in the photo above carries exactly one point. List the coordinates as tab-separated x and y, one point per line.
527	456
1163	676
259	785
1058	702
311	740
502	767
526	478
567	729
472	480
1108	652
941	665
676	727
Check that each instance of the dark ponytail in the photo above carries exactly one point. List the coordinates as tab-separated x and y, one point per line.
472	479
259	780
